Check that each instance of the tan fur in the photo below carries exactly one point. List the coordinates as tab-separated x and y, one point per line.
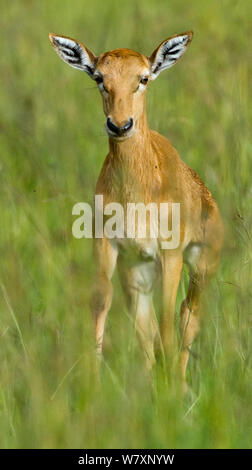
145	167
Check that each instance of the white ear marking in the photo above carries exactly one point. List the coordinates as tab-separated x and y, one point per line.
73	53
168	52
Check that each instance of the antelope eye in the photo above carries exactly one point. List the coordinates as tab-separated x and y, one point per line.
98	79
144	80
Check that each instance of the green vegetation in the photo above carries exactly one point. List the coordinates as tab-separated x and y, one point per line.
52	147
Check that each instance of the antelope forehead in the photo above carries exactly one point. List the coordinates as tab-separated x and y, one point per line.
122	59
121	74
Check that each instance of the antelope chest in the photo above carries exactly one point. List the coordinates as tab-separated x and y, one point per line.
140	259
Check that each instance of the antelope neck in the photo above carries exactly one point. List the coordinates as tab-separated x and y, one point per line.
136	150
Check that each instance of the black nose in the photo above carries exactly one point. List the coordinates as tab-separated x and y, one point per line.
119	130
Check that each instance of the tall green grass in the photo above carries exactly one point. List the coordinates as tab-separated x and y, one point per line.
52	146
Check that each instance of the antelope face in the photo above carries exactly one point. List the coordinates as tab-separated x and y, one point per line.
122	77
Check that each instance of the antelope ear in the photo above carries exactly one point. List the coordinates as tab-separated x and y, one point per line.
168	52
74	53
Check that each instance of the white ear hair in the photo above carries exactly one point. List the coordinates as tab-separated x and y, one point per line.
74	53
168	52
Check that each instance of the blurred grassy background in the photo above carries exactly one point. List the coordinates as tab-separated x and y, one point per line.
52	147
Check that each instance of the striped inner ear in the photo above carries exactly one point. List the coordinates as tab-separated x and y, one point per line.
73	54
169	52
174	48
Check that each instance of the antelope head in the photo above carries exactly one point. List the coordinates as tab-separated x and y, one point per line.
122	76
